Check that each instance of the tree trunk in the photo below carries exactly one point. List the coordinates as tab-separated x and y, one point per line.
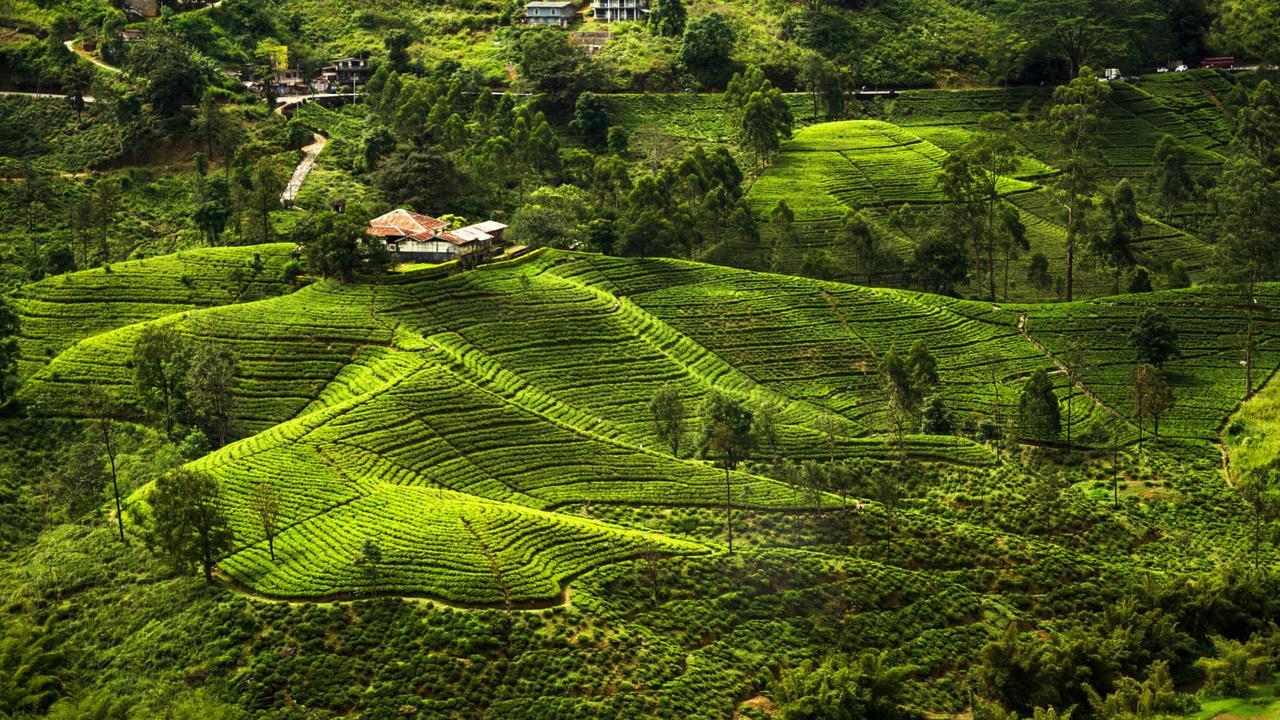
1071	386
115	485
1248	342
271	545
1071	258
728	507
207	553
1006	275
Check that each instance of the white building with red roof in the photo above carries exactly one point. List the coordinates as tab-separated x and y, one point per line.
413	237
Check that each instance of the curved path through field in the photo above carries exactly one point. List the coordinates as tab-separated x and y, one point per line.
309	153
74	46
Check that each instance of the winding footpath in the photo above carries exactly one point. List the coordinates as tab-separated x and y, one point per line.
74	47
309	153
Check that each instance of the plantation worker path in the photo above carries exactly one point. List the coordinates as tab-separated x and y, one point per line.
305	165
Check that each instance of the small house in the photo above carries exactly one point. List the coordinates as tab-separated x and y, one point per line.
540	12
620	10
345	73
413	237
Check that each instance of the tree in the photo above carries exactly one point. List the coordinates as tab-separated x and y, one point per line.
1248	202
667	18
726	433
104	201
397	41
160	358
1170	178
1038	272
335	244
1078	31
210	123
970	179
1114	247
668	412
1141	282
896	380
265	502
1154	339
102	409
77	80
1075	365
210	216
266	183
704	51
1151	396
208	389
551	66
591	119
425	179
1251	27
1038	412
782	223
174	75
190	524
936	419
618	140
759	111
1073	121
1260	490
78	478
922	368
766	122
1013	241
864	246
369	559
9	325
939	263
1258	126
764	425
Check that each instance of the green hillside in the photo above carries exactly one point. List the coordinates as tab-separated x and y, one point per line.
489	432
879	166
488	398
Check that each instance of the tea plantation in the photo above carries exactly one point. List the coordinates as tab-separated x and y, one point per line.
487	400
881	165
489	432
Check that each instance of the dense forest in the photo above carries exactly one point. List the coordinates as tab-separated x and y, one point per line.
820	360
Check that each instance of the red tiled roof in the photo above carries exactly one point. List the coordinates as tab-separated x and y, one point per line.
403	223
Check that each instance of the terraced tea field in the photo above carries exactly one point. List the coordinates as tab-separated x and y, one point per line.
880	165
64	309
460	420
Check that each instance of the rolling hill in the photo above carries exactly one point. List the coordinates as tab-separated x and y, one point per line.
454	416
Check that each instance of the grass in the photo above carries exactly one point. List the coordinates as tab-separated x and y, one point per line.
1262	703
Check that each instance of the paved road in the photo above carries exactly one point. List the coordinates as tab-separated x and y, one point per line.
49	96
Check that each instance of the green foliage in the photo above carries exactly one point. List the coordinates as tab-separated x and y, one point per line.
705	48
1154	338
337	245
1038	413
667	18
668	416
190	521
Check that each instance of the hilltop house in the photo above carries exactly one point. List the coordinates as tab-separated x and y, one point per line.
412	237
541	12
617	10
345	74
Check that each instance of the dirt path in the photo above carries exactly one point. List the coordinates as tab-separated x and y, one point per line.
74	47
1062	368
304	168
